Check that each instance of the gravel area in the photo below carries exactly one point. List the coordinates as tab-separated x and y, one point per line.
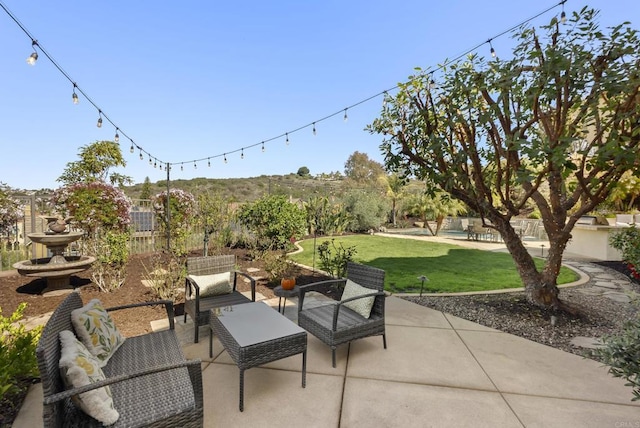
596	315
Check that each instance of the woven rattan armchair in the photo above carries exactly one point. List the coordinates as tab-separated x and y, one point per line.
334	323
152	383
199	308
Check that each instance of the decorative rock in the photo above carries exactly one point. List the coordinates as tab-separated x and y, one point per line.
604	284
587	342
592	269
617	297
605	276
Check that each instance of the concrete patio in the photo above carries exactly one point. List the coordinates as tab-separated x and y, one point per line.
438	371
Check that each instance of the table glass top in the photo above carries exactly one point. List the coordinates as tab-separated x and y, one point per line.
256	322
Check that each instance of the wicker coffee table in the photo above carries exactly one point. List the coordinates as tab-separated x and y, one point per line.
254	334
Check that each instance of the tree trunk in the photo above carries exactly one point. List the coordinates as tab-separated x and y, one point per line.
540	287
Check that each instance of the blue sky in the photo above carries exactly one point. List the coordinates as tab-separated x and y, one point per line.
196	79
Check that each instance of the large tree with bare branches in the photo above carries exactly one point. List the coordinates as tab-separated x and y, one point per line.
556	125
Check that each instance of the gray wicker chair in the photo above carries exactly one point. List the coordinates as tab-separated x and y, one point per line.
335	324
151	381
199	308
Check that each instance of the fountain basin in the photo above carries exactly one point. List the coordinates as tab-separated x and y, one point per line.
58	275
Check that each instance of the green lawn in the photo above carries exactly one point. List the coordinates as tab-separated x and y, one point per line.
450	268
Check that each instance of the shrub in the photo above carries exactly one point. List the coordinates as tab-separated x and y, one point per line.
278	266
628	243
17	355
333	259
368	210
273	220
166	274
111	249
622	353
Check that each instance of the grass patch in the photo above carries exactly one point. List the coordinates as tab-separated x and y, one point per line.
450	268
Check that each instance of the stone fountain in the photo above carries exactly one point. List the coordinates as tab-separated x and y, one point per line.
57	269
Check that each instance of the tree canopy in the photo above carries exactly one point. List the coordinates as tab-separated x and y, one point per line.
96	161
556	125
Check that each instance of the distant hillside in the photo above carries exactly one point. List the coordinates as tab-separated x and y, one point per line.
248	189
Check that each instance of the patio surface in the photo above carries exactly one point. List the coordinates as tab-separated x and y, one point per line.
437	371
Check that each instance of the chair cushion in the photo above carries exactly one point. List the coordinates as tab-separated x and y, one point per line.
96	330
213	285
361	306
78	367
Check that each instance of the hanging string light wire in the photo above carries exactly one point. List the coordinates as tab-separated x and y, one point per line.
343	111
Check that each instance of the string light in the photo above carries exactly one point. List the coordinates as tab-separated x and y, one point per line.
74	96
181	167
493	51
155	164
150	163
195	166
209	162
116	138
34	55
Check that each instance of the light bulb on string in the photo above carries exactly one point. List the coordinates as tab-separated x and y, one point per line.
74	96
225	158
155	165
345	118
493	51
242	153
131	148
181	167
99	124
141	157
117	137
34	55
263	147
286	139
209	162
563	15
150	163
195	165
314	128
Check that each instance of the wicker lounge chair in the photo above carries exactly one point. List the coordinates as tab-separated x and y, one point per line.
335	324
199	308
151	381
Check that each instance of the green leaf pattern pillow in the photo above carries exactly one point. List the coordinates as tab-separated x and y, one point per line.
97	331
362	306
78	367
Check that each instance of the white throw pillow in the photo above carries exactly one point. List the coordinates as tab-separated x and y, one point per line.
79	367
362	306
213	285
96	330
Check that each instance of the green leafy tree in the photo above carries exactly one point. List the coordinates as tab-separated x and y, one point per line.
325	218
362	170
368	210
303	171
145	191
95	164
625	194
564	109
274	221
395	189
434	207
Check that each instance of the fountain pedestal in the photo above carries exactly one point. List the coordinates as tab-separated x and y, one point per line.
57	270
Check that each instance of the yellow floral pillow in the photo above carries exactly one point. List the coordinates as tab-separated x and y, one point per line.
96	330
79	367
